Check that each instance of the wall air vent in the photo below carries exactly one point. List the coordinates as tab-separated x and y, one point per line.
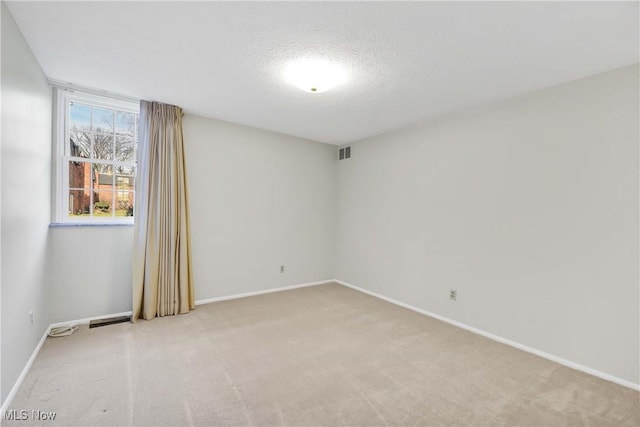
344	153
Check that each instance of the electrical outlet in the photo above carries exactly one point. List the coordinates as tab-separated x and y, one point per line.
31	316
453	294
282	269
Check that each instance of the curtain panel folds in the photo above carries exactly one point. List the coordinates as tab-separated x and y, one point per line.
162	275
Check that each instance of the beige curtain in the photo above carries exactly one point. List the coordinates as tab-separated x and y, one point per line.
162	278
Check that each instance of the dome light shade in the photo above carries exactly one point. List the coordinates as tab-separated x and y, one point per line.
315	75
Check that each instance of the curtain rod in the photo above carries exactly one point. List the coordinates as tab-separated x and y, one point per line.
73	87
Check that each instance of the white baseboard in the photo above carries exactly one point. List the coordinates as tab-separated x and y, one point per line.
86	320
266	291
23	374
500	339
461	325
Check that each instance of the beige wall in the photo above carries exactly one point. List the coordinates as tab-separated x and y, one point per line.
26	202
528	208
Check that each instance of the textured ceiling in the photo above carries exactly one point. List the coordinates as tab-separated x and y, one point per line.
408	61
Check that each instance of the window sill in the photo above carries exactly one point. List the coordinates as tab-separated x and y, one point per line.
89	224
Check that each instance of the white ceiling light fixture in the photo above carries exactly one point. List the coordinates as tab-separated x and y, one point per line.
315	75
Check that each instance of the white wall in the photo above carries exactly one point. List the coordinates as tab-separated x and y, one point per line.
529	208
26	202
258	200
89	271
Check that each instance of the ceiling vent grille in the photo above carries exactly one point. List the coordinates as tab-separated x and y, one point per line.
344	153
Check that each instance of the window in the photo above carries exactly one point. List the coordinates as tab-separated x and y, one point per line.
97	140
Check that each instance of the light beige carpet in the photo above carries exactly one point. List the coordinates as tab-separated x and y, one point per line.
318	356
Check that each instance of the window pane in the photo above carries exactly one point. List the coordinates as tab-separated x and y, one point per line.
102	168
80	143
124	182
103	146
79	116
103	202
79	174
126	171
125	123
124	203
79	202
125	149
103	176
102	120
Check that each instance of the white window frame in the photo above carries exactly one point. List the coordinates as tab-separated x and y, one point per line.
61	149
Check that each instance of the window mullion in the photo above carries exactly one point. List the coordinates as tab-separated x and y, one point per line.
113	137
113	167
113	192
106	162
91	179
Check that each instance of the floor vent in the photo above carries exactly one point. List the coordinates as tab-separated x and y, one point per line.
110	321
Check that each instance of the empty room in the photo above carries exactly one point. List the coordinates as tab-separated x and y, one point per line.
320	213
